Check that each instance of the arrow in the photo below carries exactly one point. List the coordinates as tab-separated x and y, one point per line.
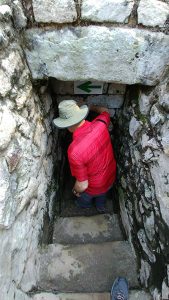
87	87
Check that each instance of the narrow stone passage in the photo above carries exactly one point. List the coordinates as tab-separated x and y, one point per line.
88	251
112	96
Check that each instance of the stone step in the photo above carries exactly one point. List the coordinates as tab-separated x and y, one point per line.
71	296
71	210
87	268
134	295
79	230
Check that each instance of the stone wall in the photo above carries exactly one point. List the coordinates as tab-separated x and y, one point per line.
143	180
25	161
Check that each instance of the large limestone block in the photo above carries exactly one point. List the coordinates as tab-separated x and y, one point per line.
120	55
107	10
57	11
153	13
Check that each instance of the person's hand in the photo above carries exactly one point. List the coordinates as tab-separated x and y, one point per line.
75	193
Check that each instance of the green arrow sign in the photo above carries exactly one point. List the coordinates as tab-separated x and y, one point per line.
87	87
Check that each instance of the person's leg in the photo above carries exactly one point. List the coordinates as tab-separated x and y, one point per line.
100	202
120	289
84	201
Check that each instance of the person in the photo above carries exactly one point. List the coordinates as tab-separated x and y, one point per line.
120	289
90	154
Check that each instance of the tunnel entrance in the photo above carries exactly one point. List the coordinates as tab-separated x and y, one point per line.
112	96
127	193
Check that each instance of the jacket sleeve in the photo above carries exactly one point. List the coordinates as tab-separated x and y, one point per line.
77	167
105	117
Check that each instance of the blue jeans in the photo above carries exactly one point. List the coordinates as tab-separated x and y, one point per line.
85	200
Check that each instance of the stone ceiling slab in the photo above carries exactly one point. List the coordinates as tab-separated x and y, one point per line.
107	10
57	11
120	55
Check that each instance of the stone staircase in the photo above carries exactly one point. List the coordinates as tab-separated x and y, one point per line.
86	256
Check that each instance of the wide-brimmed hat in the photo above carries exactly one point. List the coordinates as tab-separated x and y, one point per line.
70	114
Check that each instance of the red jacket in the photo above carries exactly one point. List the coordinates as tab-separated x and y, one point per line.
91	155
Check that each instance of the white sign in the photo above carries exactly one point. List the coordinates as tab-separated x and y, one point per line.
88	87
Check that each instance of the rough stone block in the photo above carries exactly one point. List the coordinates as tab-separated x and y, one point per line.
148	155
116	89
62	87
168	272
6	201
144	244
57	11
160	175
3	38
144	272
165	290
118	55
12	64
163	96
165	137
144	103
6	86
134	128
5	12
108	10
156	116
147	142
156	294
20	19
153	13
23	96
113	101
124	214
7	127
149	225
13	156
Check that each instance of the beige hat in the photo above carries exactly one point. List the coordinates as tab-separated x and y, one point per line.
70	114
